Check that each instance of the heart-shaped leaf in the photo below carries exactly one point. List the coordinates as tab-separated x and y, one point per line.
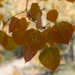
65	31
52	15
28	54
18	37
35	39
50	58
14	24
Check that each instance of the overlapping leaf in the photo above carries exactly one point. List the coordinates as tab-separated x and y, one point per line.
65	31
11	45
50	58
39	21
5	40
18	37
28	54
35	39
52	15
14	24
51	36
23	25
34	10
71	0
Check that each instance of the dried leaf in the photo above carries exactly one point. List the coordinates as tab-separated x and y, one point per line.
52	15
28	54
50	58
14	24
65	31
35	39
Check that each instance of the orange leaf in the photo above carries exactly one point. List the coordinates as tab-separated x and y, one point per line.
71	0
1	16
50	58
39	22
14	24
34	10
73	28
35	39
23	24
65	31
52	15
27	53
5	40
18	37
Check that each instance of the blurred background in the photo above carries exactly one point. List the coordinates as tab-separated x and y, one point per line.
12	63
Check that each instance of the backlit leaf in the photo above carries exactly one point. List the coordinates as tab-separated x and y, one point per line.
5	40
52	15
71	0
18	37
1	16
51	36
39	22
50	58
34	10
23	24
65	31
11	45
35	39
28	54
14	24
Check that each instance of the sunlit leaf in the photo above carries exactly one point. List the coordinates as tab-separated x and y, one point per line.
39	21
18	37
65	31
23	24
28	54
71	0
1	16
11	45
50	58
14	24
52	15
35	39
5	40
34	10
51	36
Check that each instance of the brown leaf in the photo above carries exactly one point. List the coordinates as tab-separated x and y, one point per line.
52	15
28	54
35	39
14	24
71	0
18	37
65	31
1	16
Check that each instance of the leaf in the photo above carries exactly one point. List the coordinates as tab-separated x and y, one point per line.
39	22
71	0
74	28
52	15
5	40
65	31
34	10
35	39
14	24
1	36
1	16
28	54
18	37
50	58
11	45
4	23
23	25
51	36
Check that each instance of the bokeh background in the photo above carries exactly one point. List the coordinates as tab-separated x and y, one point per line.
13	63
